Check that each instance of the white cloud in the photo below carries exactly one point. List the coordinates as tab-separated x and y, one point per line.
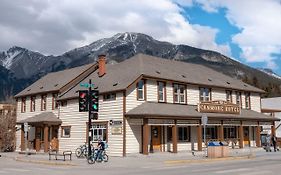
259	21
54	27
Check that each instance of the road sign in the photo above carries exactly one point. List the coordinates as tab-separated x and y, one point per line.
86	85
204	119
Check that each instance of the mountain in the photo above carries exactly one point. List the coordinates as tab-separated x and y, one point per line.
28	66
270	72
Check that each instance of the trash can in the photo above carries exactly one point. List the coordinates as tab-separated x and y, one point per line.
214	150
224	149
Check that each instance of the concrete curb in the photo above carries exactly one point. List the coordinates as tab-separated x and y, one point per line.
171	162
43	162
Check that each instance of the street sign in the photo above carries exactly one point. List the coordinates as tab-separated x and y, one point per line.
86	85
204	119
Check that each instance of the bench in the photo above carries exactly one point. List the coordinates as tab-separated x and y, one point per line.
57	154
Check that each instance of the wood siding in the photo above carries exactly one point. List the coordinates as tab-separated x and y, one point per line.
255	100
27	114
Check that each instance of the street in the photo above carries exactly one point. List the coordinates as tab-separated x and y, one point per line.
265	163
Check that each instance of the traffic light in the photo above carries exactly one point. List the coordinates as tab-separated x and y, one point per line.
94	97
83	101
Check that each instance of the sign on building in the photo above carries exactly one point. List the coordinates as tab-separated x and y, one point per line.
218	107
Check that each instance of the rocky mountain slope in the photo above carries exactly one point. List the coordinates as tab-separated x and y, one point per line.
25	66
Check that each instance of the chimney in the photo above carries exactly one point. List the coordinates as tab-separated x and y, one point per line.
102	60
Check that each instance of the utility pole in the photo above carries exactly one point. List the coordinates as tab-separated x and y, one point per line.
89	120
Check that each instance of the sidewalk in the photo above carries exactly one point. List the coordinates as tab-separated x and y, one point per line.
135	159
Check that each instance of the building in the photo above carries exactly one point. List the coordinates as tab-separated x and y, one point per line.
147	104
272	107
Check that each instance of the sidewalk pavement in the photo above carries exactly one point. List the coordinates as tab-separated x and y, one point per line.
166	158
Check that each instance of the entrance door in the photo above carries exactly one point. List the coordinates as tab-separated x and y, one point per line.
156	137
246	136
39	133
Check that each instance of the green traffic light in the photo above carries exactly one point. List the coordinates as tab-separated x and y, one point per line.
95	107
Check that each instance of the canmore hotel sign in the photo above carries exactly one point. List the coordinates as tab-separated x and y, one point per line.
218	107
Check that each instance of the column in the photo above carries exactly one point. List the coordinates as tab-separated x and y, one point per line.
175	137
258	136
273	130
46	136
241	136
145	137
22	139
199	136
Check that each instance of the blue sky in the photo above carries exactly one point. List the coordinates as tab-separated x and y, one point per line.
245	30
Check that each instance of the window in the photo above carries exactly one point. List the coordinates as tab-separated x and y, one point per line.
55	103
247	100
205	94
141	90
32	103
63	103
183	134
99	131
23	105
179	93
109	97
161	92
228	96
43	102
229	132
238	98
65	131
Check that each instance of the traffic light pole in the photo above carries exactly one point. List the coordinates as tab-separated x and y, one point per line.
89	120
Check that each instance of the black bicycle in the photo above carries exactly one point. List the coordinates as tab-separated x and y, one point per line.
94	157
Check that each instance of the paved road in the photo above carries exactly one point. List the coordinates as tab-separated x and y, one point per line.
265	163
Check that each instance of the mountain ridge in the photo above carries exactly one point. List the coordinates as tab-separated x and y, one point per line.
26	66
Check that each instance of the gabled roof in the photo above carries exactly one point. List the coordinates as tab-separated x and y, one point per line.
54	81
163	110
121	75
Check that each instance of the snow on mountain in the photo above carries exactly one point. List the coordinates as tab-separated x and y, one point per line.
270	72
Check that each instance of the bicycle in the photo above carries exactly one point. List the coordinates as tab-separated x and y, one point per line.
82	150
94	157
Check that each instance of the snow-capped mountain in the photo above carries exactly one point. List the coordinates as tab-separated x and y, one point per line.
270	72
28	66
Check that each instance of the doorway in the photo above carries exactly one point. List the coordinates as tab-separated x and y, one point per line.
156	138
246	134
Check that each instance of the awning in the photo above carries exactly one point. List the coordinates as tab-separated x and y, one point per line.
179	111
42	118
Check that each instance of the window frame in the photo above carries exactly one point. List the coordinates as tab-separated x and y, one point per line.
247	99
228	96
63	133
32	103
43	102
112	96
104	131
55	103
142	89
202	98
238	94
178	95
180	130
23	104
162	92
